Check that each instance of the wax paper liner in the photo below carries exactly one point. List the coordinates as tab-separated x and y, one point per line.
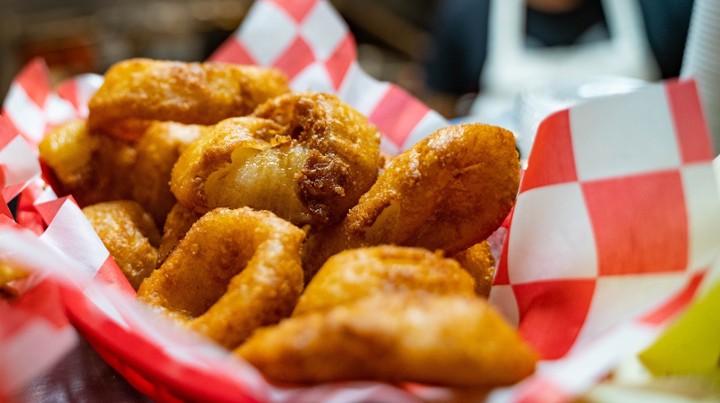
615	226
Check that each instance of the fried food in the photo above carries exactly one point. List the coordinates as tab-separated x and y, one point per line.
157	152
230	164
91	167
130	235
308	165
343	150
446	340
137	91
178	223
358	273
448	192
215	151
10	273
480	263
234	271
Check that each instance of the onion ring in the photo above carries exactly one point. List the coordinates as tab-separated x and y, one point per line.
177	224
91	167
309	164
136	91
480	263
234	271
130	235
157	152
357	273
444	340
9	273
448	192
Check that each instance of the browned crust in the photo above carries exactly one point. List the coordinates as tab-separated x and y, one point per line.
193	93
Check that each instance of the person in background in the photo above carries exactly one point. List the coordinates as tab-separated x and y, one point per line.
454	64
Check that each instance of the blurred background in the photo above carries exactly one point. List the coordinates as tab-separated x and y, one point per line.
76	36
436	49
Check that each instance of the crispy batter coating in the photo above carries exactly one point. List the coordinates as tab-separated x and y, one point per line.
178	223
234	271
358	273
449	191
480	263
157	152
343	150
215	151
91	167
136	91
8	274
130	235
447	340
309	165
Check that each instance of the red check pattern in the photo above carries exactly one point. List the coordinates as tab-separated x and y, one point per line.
27	325
18	160
309	41
590	247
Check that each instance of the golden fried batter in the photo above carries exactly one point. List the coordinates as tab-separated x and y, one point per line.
449	191
178	222
157	152
8	274
446	340
139	90
309	164
343	150
357	273
130	235
216	150
234	271
92	167
480	263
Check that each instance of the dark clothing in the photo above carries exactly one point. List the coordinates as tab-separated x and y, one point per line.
666	23
455	62
458	53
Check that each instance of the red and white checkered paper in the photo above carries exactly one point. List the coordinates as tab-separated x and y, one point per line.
615	225
310	42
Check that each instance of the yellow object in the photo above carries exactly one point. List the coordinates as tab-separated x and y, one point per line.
691	345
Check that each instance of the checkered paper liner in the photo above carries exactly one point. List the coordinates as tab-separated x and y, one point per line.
613	231
310	42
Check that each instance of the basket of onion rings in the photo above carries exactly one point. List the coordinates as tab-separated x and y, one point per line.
287	225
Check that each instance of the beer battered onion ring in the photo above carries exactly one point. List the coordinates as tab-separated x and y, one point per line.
177	224
130	235
427	338
8	274
306	157
480	263
358	273
234	271
157	152
449	191
92	167
137	91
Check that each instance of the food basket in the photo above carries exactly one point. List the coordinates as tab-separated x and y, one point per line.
143	364
613	234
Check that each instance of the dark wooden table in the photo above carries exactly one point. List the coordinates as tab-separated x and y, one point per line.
82	376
